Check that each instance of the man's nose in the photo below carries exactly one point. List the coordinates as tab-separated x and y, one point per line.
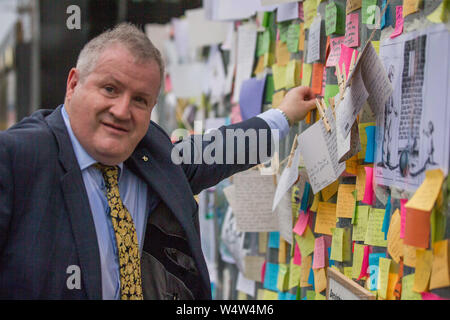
121	108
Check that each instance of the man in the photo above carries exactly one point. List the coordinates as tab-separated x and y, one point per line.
91	204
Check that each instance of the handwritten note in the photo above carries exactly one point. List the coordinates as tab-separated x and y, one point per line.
294	275
374	235
335	51
407	288
319	253
325	218
334	18
252	201
337	244
426	195
398	22
313	53
319	151
320	280
352	30
384	267
310	11
302	223
358	255
252	267
306	242
440	275
424	260
345	201
353	5
360	226
293	37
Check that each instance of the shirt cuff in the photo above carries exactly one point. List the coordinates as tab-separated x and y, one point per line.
276	121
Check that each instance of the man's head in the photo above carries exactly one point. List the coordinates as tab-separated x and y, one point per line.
112	91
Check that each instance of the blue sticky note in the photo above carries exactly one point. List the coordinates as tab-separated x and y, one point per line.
311	277
330	262
305	197
274	239
383	17
374	258
251	97
271	276
373	277
290	296
387	216
370	148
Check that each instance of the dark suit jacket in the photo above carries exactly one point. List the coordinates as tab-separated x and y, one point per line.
46	223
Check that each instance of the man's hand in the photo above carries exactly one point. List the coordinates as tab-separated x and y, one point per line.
297	103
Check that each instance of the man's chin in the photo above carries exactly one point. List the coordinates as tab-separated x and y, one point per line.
110	158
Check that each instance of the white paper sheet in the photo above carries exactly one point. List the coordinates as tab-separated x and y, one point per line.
313	53
270	2
245	285
185	79
287	11
230	9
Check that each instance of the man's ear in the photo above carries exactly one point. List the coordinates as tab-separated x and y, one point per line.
72	81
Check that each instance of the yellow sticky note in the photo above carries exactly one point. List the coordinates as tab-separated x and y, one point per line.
376	46
269	295
440	276
277	98
348	272
305	242
320	297
407	288
383	272
241	295
337	244
358	255
424	261
351	165
279	76
330	190
310	11
410	6
374	235
282	53
320	280
325	218
347	245
304	271
345	201
282	251
360	225
269	59
360	183
409	255
363	138
259	66
294	274
395	243
440	14
426	195
301	37
283	277
352	5
393	278
291	74
306	74
315	204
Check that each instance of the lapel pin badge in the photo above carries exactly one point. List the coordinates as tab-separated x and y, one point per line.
145	158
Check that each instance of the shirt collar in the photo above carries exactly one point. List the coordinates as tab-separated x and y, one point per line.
83	158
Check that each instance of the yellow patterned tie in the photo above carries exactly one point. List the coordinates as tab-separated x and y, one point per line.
126	237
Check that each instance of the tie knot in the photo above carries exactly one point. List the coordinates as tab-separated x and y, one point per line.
110	173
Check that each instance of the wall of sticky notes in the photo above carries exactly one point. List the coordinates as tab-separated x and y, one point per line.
390	238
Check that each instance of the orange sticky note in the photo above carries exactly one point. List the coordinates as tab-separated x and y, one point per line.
393	278
360	183
282	53
424	261
440	272
325	218
417	228
301	38
317	77
320	280
345	205
330	190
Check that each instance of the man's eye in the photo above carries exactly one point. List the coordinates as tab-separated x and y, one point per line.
109	89
140	100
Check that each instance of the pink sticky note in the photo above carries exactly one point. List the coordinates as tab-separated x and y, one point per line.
236	114
365	263
300	11
301	224
368	191
168	84
352	30
319	253
335	51
402	217
398	22
346	58
263	271
278	34
297	255
431	296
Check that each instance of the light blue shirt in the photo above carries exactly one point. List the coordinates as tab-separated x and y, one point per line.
133	192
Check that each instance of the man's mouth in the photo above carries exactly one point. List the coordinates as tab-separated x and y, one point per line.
115	128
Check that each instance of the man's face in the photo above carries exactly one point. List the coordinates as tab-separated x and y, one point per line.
110	108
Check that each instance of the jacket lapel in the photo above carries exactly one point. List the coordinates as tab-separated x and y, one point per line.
79	209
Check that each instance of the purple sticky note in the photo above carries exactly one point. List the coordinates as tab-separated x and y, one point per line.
251	97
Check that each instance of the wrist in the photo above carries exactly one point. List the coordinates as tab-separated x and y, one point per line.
285	116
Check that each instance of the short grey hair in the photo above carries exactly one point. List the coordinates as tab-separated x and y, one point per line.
127	35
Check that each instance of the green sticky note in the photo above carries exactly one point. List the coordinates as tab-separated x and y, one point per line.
279	76
283	27
374	235
337	244
383	272
347	245
305	242
360	224
368	11
293	34
267	19
294	274
438	223
334	19
358	255
407	288
331	90
269	89
348	271
266	40
306	74
355	212
283	277
260	45
310	295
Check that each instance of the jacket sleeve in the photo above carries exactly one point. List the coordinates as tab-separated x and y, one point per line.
208	159
6	192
